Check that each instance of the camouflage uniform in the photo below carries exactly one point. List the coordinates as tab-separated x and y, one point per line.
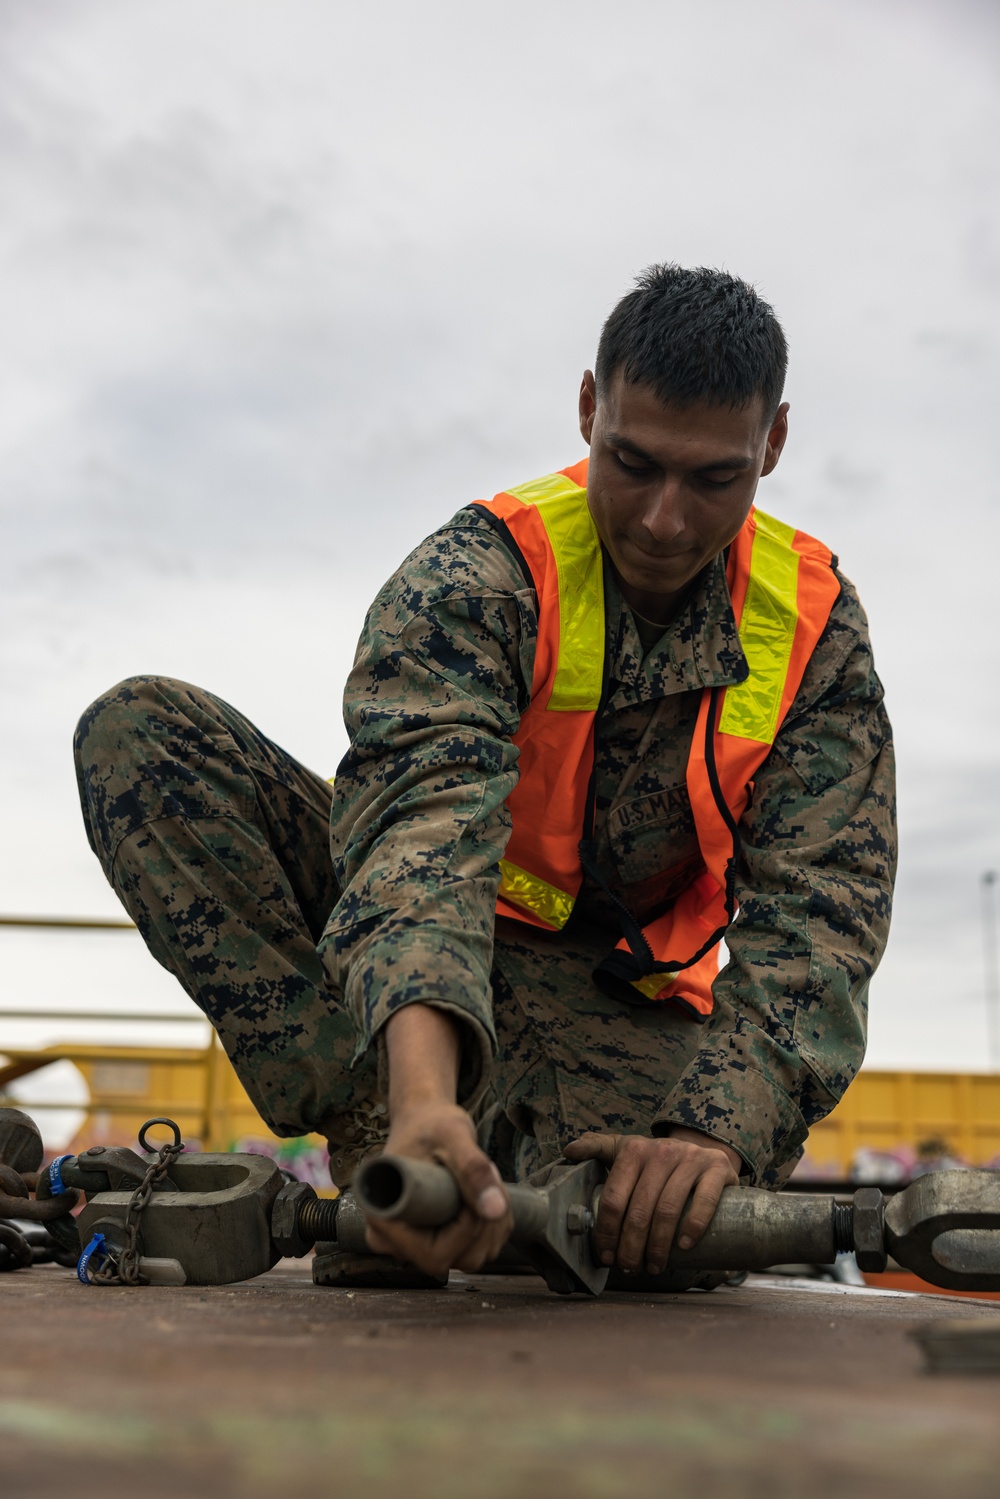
299	950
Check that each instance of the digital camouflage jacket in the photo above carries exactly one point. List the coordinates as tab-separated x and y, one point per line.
443	671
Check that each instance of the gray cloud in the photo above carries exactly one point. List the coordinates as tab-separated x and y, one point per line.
283	286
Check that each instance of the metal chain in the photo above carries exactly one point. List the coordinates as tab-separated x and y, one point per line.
124	1270
15	1251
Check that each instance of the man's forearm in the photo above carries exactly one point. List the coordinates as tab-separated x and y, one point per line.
422	1050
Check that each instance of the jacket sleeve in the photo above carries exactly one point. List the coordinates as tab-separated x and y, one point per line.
418	823
815	880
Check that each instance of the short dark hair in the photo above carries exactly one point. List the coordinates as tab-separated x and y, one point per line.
694	334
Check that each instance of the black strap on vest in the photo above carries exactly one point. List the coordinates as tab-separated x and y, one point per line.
724	812
631	927
619	969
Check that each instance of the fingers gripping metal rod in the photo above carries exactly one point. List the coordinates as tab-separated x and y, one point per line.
427	1196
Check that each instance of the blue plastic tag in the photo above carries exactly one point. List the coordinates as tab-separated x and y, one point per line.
96	1246
55	1175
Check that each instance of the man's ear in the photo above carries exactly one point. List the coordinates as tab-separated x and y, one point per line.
588	405
776	439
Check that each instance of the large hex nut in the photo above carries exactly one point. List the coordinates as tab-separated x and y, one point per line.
289	1240
869	1229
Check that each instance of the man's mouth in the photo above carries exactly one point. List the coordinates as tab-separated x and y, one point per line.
660	557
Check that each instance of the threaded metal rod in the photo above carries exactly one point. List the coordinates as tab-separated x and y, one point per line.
318	1218
843	1227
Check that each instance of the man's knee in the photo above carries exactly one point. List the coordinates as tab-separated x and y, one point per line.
115	724
112	749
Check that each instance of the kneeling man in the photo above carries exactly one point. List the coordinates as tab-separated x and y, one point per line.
598	724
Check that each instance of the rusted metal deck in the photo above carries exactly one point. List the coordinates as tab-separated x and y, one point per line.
491	1389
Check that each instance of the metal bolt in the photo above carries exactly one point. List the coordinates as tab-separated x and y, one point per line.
868	1225
579	1219
96	1150
299	1218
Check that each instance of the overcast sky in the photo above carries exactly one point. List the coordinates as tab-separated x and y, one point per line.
282	285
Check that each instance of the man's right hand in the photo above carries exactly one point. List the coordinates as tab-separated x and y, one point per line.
422	1046
444	1133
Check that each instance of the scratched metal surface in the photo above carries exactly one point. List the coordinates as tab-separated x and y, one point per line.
491	1389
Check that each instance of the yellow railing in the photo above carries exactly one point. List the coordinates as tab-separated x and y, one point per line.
72	923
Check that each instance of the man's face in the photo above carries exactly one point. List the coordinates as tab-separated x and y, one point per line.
669	487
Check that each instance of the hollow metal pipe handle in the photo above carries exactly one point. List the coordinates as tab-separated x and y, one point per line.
425	1195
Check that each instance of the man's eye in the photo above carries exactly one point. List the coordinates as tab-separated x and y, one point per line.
635	469
718	483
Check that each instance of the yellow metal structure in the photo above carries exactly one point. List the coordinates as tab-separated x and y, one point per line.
891	1111
129	1084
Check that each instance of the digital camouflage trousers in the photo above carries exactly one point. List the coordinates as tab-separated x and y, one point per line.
216	841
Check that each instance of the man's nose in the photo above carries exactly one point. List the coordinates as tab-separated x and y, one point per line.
664	519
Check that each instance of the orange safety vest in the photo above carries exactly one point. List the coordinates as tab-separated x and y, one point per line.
782	586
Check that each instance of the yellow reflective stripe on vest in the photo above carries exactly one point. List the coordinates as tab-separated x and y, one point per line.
545	901
562	506
651	985
767	633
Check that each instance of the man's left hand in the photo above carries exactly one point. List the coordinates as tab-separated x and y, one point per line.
648	1189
